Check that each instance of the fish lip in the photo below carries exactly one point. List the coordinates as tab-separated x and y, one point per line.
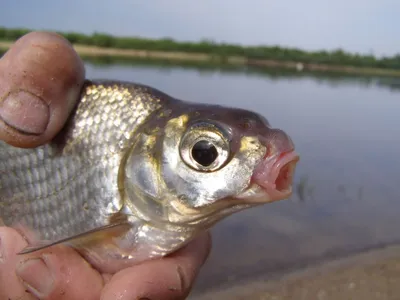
274	175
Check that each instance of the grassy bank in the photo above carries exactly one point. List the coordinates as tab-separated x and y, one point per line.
110	55
324	77
209	52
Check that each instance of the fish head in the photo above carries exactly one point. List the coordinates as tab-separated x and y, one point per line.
205	162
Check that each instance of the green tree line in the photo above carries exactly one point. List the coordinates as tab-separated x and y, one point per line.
336	57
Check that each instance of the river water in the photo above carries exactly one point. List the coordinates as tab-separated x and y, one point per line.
347	196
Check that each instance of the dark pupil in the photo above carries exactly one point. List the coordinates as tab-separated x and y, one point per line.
204	153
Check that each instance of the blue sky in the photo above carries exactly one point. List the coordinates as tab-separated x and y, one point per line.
354	25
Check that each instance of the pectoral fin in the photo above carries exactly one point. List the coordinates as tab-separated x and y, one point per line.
100	234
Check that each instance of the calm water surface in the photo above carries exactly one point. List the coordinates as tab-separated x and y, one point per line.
347	183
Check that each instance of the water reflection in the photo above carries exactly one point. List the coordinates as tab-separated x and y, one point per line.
304	191
330	78
346	195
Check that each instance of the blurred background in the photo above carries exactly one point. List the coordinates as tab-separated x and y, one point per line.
327	72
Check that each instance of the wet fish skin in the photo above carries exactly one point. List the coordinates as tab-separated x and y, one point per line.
71	185
119	183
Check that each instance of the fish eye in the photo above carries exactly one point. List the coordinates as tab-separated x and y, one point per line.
204	152
205	147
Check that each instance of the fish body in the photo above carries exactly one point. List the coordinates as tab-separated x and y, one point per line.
136	174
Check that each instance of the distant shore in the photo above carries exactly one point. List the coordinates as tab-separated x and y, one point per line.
203	58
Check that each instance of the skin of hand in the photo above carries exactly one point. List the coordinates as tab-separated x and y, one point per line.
40	79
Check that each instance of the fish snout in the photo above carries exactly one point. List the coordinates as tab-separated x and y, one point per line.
277	142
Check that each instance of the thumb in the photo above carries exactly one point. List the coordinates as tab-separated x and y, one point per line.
40	80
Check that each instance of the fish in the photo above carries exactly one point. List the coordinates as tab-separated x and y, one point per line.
136	174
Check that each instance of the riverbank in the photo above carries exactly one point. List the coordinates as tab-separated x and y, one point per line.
234	61
374	274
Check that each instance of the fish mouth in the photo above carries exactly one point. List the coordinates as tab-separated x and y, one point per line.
272	179
275	176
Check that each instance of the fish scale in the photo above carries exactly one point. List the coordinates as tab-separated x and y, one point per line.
35	183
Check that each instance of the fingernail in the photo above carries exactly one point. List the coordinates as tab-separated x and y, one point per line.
25	112
36	277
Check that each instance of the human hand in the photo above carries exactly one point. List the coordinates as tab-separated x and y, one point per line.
40	80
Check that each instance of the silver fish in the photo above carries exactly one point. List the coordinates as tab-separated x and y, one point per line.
136	174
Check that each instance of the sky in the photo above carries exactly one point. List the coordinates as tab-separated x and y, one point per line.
364	26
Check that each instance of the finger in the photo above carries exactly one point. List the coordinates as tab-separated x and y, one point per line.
64	274
167	278
55	273
10	287
40	80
